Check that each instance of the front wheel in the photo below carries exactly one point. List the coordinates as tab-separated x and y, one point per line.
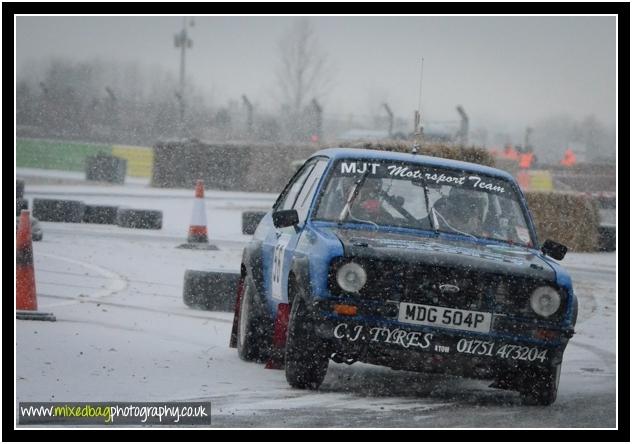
306	359
541	388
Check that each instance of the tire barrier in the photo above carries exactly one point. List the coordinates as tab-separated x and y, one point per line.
210	290
19	190
106	168
100	214
135	218
58	210
21	204
607	238
250	220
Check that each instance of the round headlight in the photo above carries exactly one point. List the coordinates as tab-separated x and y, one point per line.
351	277
545	301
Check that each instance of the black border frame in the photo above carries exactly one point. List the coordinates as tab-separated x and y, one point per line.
622	434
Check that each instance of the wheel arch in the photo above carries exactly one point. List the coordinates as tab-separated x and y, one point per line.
252	265
298	276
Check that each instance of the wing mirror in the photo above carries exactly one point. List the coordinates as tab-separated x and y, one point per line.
285	218
553	249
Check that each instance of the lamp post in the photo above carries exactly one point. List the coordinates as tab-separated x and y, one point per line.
465	125
390	119
248	115
527	137
111	108
182	41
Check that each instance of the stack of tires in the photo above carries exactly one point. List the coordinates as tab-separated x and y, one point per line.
607	203
58	210
210	290
100	214
75	211
136	218
20	202
106	168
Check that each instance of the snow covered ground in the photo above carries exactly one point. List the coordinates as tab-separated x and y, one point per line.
123	333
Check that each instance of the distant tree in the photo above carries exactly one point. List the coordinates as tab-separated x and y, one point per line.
223	120
303	74
24	103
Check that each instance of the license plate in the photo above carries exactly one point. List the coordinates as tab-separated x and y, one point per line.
444	317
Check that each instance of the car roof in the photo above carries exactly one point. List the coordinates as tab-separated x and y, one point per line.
357	153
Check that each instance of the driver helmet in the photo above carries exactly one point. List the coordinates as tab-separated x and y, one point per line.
369	199
466	208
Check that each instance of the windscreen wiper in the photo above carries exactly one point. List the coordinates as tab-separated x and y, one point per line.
352	196
428	211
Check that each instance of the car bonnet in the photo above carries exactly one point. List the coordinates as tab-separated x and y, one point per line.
486	257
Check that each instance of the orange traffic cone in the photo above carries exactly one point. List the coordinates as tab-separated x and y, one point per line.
198	234
197	229
25	294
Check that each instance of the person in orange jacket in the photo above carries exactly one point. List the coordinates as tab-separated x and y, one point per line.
569	158
527	159
510	152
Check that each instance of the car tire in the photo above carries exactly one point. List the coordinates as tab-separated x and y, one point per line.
136	218
100	214
253	332
607	238
58	210
541	387
306	360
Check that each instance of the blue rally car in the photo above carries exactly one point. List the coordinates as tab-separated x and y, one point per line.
407	261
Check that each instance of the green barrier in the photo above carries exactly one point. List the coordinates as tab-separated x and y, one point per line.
71	156
55	155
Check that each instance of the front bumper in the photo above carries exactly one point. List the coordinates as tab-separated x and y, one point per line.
387	342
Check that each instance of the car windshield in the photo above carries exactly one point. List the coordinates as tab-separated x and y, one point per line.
383	193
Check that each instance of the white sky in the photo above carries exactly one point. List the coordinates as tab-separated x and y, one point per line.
505	70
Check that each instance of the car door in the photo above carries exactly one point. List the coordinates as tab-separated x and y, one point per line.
277	240
281	243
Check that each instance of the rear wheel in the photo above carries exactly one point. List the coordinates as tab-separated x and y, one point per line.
306	359
541	388
253	334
